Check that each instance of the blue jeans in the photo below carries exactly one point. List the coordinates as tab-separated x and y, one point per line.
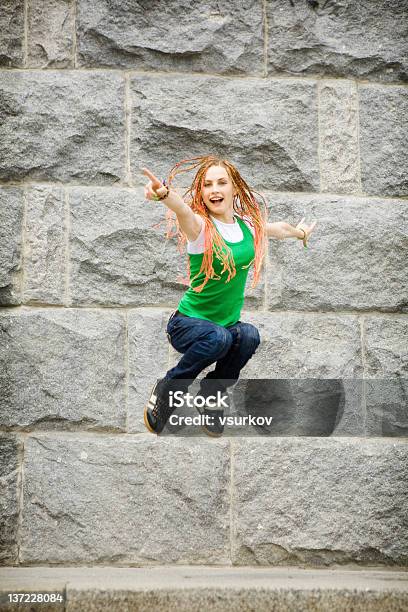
203	343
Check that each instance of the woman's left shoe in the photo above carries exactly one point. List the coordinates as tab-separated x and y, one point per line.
213	424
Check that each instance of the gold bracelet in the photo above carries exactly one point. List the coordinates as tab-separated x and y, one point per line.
157	198
166	194
304	234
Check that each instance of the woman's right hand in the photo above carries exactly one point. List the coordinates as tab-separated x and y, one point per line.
154	186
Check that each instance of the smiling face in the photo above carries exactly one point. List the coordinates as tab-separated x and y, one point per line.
218	185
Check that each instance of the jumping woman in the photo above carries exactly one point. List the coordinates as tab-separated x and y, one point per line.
226	230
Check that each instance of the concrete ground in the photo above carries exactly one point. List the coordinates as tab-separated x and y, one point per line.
168	588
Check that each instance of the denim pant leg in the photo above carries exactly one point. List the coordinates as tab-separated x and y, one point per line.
245	341
202	343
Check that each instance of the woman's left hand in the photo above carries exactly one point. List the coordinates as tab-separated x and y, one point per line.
307	229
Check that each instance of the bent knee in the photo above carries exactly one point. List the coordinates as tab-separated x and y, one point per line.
251	334
221	341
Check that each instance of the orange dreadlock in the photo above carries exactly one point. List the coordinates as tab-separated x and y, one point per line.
244	204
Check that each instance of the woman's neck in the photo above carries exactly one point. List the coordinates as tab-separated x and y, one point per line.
225	218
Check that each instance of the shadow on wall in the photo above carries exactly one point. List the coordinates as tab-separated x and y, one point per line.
325	407
298	407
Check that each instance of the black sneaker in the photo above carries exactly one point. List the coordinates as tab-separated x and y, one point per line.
213	417
157	410
213	425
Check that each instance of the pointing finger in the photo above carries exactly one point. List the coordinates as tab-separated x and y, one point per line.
152	177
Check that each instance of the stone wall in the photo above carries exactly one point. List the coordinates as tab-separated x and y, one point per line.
311	105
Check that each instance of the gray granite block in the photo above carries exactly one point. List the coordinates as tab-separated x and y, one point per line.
11	229
383	137
295	345
386	346
62	126
10	448
62	369
387	407
338	126
118	250
51	33
320	502
356	255
12	33
365	40
212	36
45	246
125	500
268	128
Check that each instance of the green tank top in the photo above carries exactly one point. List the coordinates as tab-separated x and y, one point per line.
219	301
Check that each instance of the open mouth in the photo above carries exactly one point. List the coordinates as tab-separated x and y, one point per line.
216	200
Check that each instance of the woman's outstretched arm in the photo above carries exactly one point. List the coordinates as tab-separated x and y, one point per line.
190	223
281	230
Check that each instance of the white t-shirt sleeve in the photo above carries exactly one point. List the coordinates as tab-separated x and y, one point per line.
197	246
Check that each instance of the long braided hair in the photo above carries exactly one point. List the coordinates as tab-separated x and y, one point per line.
244	204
